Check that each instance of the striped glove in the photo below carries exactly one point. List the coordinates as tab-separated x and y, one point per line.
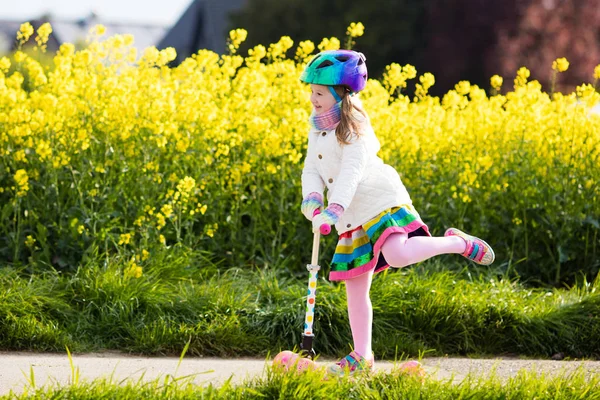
330	216
312	202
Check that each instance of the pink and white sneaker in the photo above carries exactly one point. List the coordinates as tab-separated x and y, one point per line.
352	364
477	250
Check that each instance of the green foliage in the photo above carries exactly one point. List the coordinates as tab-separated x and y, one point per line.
311	385
243	313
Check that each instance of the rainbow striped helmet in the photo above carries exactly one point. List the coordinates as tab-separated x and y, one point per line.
337	67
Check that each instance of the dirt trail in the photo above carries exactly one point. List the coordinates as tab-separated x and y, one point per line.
55	368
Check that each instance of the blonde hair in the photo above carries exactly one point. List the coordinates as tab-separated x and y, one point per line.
352	116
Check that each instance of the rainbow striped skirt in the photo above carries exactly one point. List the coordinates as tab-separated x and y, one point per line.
359	250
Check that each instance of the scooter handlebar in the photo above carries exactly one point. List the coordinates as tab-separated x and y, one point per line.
325	229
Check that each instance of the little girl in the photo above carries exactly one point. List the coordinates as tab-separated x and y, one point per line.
368	204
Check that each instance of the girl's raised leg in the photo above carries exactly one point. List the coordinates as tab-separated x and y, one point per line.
399	250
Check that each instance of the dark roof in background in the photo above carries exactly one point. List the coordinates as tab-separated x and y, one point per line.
204	25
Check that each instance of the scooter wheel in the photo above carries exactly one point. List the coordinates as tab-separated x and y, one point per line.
305	364
285	359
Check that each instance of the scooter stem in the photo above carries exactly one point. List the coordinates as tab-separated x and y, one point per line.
311	297
313	269
315	249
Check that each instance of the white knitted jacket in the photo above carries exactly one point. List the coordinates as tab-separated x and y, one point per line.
355	177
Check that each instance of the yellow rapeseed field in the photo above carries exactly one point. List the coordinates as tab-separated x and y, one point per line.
107	151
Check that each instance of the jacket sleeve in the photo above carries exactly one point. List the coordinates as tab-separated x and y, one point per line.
311	179
354	163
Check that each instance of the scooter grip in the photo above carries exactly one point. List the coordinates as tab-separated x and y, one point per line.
325	229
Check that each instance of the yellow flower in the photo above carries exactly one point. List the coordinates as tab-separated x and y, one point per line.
66	50
45	30
185	188
586	91
160	221
258	52
305	48
98	30
236	37
463	88
131	55
162	240
4	64
356	29
133	270
43	150
409	71
128	40
30	242
210	230
25	32
427	80
496	82
20	156
173	177
597	72
517	221
124	238
560	64
393	77
522	76
150	55
166	56
279	49
139	221
329	44
43	34
19	56
167	210
22	180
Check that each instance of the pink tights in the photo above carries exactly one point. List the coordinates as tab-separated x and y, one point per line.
399	251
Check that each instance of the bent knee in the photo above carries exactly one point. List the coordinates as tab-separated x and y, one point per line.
394	250
396	258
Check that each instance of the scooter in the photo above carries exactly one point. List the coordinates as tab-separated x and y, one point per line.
305	360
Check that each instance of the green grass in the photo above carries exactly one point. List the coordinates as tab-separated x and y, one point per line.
181	298
526	385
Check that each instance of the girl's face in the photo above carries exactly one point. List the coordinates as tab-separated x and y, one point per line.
321	98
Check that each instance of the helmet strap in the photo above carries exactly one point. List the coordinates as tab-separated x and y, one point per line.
335	95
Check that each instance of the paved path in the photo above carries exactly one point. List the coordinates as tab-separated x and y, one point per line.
55	368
